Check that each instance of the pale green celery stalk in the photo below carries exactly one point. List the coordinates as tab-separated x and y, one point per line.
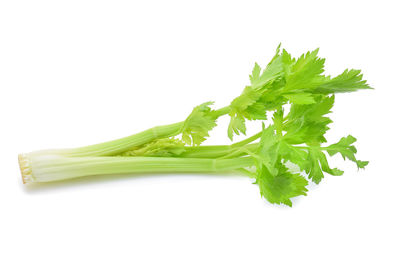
45	168
218	151
118	146
221	151
206	151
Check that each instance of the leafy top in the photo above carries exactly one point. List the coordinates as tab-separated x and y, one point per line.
296	139
288	80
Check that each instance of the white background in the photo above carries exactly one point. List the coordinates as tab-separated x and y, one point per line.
80	72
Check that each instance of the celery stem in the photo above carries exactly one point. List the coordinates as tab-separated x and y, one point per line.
56	168
123	144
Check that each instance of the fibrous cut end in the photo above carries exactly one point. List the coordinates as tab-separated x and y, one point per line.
25	168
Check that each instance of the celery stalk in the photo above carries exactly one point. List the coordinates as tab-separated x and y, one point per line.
53	168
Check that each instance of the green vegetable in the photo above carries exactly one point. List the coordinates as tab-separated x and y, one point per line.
296	91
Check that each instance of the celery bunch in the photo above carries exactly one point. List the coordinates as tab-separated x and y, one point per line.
294	135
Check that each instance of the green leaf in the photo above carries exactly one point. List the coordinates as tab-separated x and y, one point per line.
325	166
273	70
317	164
255	75
198	124
246	106
349	81
347	150
293	154
313	168
236	125
300	98
306	72
268	150
277	119
287	62
270	73
281	188
307	123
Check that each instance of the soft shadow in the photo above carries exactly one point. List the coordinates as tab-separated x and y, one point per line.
31	188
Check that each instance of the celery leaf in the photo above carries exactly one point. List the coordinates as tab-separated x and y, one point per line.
198	124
